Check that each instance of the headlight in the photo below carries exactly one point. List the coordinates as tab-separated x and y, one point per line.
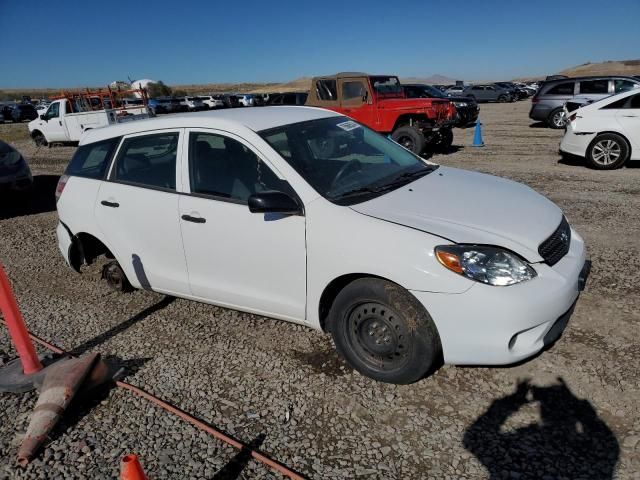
490	265
460	104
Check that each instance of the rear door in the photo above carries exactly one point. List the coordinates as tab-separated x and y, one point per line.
137	211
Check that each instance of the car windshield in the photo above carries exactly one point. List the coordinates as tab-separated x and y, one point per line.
387	86
432	91
344	161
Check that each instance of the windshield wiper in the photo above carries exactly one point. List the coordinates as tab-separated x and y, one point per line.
402	179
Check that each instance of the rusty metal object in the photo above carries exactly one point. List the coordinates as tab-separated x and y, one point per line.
60	384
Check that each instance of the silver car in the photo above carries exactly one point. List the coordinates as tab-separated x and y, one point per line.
487	93
547	105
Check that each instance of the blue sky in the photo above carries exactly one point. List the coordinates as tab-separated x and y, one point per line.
76	43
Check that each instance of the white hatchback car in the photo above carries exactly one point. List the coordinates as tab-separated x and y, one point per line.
304	215
607	132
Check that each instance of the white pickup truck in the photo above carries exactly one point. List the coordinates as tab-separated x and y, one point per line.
60	124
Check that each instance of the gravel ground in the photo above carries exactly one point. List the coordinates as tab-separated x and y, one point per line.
572	412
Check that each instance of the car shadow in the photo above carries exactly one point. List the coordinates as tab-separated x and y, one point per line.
572	160
40	199
121	327
233	469
569	440
539	125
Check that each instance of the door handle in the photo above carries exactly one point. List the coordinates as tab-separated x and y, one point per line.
189	218
110	204
60	122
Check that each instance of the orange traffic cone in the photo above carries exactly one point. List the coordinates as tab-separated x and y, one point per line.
130	468
60	384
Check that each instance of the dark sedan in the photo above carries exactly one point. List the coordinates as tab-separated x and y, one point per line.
20	112
15	174
467	109
288	98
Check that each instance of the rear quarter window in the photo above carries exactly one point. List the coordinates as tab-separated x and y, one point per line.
565	88
92	160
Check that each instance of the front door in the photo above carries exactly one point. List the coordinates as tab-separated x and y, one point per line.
252	262
357	101
52	124
137	211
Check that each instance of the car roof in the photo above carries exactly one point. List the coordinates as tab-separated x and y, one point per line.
590	77
255	118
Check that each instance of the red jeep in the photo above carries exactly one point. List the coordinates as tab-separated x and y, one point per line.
379	102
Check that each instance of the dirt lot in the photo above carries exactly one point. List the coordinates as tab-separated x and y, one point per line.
578	418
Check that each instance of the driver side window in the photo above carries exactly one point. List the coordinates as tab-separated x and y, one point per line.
223	167
53	112
353	92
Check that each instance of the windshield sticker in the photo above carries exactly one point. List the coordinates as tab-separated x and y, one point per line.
348	126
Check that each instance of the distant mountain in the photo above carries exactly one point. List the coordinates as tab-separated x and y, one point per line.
432	80
609	67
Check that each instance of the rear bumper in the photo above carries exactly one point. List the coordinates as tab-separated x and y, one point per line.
64	242
489	325
575	144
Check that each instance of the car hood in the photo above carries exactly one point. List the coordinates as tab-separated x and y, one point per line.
410	103
470	207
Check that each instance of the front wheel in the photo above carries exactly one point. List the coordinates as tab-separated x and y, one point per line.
502	99
116	278
410	138
39	139
384	332
607	152
445	140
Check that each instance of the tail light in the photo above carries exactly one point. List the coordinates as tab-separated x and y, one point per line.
60	187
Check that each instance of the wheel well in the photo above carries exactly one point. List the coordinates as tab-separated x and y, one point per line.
408	119
332	290
33	134
85	249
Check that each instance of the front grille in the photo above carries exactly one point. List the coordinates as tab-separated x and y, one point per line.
557	245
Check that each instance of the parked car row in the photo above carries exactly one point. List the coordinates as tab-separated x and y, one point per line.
547	105
18	112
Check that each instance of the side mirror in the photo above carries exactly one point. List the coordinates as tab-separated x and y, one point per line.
274	202
42	117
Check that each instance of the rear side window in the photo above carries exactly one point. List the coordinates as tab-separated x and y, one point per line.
327	90
622	103
353	90
594	86
565	88
635	101
92	160
149	161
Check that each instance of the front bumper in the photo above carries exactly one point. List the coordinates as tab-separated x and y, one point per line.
489	325
539	112
466	115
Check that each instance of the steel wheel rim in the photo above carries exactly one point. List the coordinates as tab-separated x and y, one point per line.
558	119
606	152
378	336
406	142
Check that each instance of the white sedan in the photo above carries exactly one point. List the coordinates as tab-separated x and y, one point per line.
304	215
607	132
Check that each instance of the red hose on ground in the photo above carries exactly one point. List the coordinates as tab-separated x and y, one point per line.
185	416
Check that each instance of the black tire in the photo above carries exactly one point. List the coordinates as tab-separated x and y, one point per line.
608	151
410	138
557	119
383	332
445	140
502	99
116	279
39	139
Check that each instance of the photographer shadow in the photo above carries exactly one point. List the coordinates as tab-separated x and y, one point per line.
569	440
